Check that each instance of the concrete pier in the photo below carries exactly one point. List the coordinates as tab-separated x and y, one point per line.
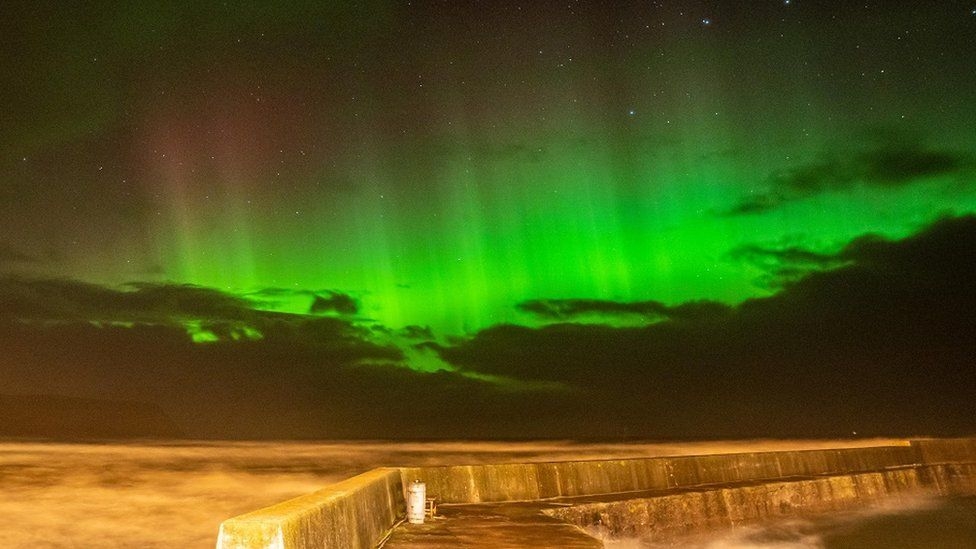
665	517
357	512
559	504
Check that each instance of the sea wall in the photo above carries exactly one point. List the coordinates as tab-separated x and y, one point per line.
357	512
945	450
709	489
667	517
534	481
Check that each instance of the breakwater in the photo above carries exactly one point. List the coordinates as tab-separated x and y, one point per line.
362	511
356	512
663	518
535	481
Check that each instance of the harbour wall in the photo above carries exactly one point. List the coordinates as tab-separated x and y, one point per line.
945	450
357	512
362	510
535	481
667	518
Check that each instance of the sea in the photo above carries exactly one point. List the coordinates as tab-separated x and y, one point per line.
111	494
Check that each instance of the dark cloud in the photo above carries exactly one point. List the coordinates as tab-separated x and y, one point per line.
758	203
894	165
417	332
892	162
880	343
186	309
566	309
784	265
300	376
319	301
791	255
336	302
698	310
310	379
61	300
274	298
898	166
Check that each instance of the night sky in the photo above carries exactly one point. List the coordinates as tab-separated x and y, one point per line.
497	219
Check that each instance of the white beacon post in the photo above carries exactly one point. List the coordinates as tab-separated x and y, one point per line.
416	500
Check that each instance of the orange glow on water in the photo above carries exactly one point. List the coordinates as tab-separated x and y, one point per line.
176	495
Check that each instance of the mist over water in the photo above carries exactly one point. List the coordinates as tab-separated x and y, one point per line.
176	494
904	523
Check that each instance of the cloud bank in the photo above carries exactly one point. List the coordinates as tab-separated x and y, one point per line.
875	339
891	163
880	344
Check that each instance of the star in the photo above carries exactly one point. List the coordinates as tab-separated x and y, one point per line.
706	21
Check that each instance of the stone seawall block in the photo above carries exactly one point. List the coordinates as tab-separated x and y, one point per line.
663	518
946	450
355	513
533	481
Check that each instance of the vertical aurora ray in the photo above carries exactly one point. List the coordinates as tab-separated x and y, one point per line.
440	172
206	202
503	231
642	221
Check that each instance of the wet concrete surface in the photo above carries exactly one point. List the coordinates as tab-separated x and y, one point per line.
531	524
497	525
506	524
